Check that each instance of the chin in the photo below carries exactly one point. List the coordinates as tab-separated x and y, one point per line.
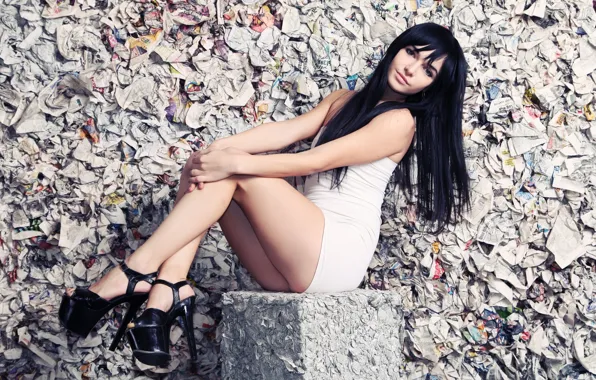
395	87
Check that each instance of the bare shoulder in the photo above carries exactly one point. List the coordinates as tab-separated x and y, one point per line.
406	120
397	126
401	119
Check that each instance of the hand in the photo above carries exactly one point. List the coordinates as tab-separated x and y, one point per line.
211	165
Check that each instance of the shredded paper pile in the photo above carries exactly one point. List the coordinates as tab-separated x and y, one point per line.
102	102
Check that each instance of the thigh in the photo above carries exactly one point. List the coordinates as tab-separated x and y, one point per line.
241	237
287	224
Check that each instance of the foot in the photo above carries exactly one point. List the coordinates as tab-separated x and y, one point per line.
161	296
114	284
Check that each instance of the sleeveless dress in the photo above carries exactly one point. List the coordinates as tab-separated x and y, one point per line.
352	222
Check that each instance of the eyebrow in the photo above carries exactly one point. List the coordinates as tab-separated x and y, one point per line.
428	66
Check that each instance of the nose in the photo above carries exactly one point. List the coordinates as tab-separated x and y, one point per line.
410	69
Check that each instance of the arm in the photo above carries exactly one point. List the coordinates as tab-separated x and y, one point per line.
278	135
387	134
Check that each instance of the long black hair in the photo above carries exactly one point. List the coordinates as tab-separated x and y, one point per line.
438	113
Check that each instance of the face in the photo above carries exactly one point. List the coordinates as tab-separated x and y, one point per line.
410	73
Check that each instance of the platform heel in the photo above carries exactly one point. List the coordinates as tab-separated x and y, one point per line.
81	311
149	334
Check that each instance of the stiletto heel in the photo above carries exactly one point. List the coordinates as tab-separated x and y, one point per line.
135	305
187	324
149	334
81	311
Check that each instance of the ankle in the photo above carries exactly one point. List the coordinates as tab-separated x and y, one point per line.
141	266
171	279
171	276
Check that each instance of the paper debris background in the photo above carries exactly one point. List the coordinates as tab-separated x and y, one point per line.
102	102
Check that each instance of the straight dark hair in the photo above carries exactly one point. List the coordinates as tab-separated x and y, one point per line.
438	113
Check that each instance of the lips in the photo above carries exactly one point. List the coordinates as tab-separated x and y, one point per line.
402	77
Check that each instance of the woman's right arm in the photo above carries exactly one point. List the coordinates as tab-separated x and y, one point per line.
278	135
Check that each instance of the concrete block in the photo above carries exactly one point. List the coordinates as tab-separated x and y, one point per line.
287	336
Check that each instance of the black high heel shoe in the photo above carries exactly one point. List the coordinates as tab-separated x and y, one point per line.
149	334
80	312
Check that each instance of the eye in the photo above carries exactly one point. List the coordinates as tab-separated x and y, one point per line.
409	51
429	72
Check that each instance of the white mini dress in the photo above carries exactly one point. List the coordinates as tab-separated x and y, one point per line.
352	222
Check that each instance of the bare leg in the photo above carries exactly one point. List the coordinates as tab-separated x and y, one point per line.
288	226
191	217
246	245
187	222
114	283
241	237
177	266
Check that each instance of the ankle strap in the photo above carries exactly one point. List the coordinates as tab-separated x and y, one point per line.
175	288
134	277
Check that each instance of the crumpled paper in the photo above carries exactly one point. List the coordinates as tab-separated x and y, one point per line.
102	102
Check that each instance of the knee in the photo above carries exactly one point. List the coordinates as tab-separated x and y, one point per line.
243	183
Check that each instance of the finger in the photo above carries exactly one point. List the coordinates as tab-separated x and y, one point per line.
195	172
201	185
191	187
197	158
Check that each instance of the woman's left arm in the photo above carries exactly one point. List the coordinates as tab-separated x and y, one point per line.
277	165
385	135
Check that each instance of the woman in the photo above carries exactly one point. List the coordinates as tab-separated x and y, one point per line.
319	241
